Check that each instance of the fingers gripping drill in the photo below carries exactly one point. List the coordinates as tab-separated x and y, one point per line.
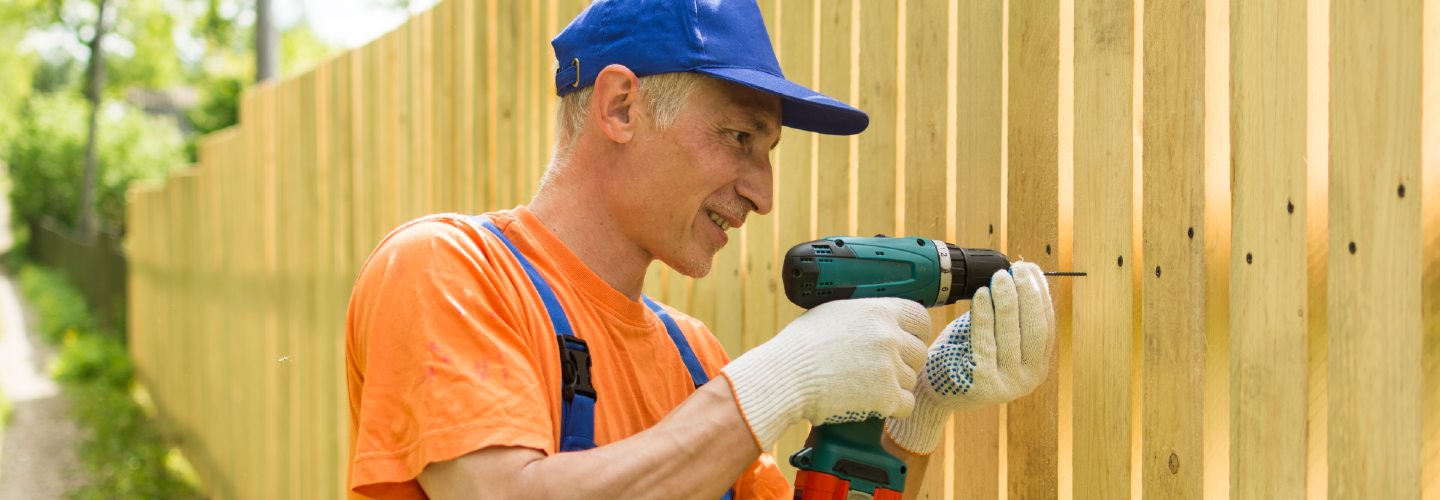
848	457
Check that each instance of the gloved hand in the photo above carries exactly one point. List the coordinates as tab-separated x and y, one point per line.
835	363
995	353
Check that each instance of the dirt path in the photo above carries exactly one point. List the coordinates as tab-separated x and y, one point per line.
38	457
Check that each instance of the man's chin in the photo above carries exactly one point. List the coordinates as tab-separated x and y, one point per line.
694	267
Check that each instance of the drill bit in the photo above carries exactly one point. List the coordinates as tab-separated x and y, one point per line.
1063	273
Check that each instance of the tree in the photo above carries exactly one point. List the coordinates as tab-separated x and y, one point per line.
94	79
45	157
266	41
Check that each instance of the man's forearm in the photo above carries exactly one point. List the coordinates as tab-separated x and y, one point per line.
915	466
697	451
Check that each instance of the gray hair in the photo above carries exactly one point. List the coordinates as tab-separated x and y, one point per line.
665	93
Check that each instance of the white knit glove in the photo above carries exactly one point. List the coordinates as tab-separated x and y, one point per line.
995	353
838	362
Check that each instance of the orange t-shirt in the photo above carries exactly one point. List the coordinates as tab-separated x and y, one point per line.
449	349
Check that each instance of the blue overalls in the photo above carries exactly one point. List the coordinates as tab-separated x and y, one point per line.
577	405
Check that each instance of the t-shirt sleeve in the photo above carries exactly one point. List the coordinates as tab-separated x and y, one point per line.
447	368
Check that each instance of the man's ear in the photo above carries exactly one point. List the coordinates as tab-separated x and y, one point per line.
613	103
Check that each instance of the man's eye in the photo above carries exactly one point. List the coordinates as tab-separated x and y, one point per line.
740	137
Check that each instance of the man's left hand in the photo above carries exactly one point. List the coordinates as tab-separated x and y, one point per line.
999	351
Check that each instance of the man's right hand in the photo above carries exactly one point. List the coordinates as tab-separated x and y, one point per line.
842	361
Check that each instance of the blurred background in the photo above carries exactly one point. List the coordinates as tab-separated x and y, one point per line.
190	209
95	97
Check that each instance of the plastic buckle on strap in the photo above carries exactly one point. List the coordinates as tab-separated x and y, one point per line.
574	367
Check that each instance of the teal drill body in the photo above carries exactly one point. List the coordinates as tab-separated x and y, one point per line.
931	272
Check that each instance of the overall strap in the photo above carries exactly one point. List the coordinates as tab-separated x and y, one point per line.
697	373
577	406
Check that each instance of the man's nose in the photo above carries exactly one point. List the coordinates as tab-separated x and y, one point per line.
756	185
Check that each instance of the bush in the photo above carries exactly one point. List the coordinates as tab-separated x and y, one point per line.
124	451
47	157
97	360
60	307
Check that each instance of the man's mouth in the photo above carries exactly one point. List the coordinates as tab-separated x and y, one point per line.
718	220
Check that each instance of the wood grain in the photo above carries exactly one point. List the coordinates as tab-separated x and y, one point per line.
1375	269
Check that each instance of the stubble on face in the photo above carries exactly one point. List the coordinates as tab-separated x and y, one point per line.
702	150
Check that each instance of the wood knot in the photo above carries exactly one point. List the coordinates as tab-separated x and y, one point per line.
1174	463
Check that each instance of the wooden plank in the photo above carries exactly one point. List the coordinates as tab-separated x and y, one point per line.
344	267
504	106
978	188
319	321
525	91
1031	227
387	131
185	395
758	262
1268	271
1174	207
250	390
795	30
879	88
1102	341
442	105
728	322
926	171
266	236
834	163
466	92
417	91
1430	155
1374	281
1217	250
289	186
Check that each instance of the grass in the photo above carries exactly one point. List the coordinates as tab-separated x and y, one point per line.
124	453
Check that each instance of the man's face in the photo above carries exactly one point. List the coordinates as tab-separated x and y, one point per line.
712	163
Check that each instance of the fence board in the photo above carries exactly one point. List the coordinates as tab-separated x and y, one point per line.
795	29
1268	272
1104	51
879	89
1031	231
1374	288
1174	211
926	171
978	189
453	112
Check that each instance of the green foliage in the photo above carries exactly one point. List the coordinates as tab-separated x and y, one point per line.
300	49
15	80
5	410
60	307
220	105
93	360
57	74
151	59
47	157
124	451
219	108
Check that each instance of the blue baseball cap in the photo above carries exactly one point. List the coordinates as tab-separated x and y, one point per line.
724	39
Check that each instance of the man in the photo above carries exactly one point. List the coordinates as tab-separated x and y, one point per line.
480	349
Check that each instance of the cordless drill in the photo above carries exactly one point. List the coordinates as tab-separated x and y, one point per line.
845	458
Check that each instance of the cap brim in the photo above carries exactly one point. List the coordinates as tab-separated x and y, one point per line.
800	107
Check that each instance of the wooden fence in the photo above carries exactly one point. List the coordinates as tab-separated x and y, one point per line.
1242	180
